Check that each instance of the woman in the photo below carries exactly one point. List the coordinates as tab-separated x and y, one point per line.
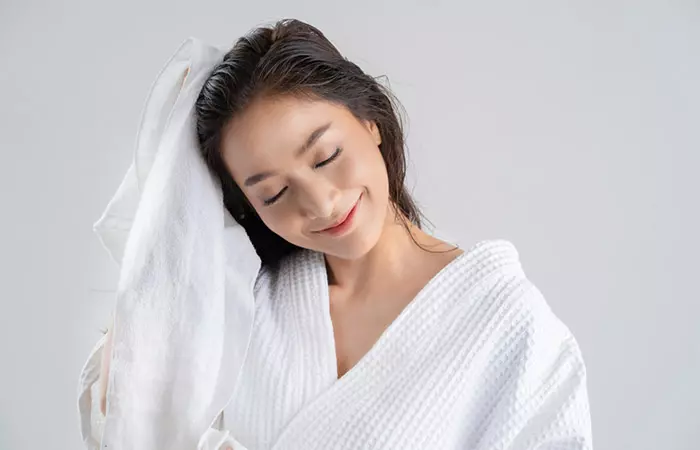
407	341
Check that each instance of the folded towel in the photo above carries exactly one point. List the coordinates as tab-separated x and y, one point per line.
184	305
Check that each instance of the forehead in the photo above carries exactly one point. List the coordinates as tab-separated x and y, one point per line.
274	128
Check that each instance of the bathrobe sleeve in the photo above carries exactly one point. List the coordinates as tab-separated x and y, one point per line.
92	420
543	400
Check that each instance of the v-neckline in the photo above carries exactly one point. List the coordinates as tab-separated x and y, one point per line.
389	330
462	275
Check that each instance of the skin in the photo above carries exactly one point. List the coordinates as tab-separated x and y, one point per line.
376	268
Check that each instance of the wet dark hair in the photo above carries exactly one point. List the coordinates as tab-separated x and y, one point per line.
294	58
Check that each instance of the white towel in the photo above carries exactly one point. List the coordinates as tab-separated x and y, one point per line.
184	305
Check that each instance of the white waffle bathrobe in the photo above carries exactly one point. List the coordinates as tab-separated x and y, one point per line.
477	360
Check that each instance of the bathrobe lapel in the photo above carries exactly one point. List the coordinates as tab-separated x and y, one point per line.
402	344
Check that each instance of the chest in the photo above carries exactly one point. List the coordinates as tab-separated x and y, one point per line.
356	328
358	323
307	354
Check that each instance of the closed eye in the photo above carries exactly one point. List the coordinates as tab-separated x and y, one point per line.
335	154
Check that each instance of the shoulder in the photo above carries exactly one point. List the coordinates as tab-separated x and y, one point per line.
530	360
510	306
271	278
542	347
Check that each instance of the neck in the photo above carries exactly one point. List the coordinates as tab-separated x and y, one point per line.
394	257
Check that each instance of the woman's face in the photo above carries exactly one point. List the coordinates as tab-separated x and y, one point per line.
303	165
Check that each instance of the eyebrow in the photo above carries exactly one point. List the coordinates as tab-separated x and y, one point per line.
310	141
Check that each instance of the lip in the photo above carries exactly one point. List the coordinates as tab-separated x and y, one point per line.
345	222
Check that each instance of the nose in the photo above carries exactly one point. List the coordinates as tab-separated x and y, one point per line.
317	196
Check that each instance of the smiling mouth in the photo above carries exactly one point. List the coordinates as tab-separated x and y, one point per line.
344	218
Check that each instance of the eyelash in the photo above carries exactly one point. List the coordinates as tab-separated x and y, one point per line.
335	154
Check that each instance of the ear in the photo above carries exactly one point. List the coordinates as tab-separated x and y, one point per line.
374	131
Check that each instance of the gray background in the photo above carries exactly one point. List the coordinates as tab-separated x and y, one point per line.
569	128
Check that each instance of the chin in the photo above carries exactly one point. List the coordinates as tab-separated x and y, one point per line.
355	246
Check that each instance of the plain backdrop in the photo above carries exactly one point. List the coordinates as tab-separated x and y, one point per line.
571	129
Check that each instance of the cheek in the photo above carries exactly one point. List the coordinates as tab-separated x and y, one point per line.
364	167
273	220
374	175
282	222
